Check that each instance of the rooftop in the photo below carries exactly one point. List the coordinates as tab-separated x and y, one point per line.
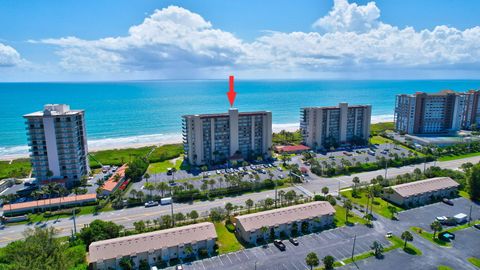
423	186
337	107
110	184
48	202
54	110
255	221
145	242
213	115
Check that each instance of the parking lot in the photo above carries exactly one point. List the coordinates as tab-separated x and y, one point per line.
423	216
336	242
181	177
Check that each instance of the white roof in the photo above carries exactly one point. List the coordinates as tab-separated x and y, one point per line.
460	216
423	186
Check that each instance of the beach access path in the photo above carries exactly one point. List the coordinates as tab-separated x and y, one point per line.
127	217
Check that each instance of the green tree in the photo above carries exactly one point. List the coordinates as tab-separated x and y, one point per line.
249	204
143	265
348	206
229	208
312	260
269	202
328	262
40	250
139	226
407	237
473	182
126	263
99	230
377	248
325	191
436	227
193	215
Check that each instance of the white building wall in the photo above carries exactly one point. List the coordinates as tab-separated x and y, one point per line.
51	141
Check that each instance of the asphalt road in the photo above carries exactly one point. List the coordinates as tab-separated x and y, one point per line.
126	217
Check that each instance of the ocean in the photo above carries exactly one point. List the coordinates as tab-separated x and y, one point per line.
122	114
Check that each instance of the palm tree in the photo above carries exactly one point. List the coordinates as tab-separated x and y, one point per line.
377	248
348	206
406	236
161	187
174	170
436	227
264	230
249	204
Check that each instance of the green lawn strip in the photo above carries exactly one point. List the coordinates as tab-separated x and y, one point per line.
444	267
227	241
39	217
379	140
455	157
395	241
380	206
340	220
464	194
474	261
461	227
429	236
19	168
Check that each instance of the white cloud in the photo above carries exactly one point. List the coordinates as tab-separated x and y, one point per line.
171	37
346	17
9	57
178	42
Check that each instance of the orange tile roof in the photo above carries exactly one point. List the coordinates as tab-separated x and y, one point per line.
110	184
48	202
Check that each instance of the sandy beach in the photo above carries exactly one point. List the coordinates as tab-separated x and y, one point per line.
148	140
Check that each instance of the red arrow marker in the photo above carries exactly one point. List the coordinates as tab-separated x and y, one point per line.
231	94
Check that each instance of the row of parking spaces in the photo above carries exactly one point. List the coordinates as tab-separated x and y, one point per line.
336	242
423	216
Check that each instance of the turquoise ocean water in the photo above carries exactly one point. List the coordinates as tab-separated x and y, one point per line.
126	113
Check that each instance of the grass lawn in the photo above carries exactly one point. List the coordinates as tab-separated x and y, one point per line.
340	217
461	227
382	126
464	194
443	267
447	158
19	168
474	261
162	166
429	237
379	140
380	206
227	241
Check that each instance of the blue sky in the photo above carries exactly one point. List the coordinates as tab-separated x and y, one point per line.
91	40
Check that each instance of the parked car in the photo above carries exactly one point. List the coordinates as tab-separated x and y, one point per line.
279	244
446	236
179	267
477	226
151	204
165	201
281	176
280	169
294	241
389	234
441	219
447	201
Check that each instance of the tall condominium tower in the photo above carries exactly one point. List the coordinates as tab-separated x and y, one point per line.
58	143
442	112
210	138
326	127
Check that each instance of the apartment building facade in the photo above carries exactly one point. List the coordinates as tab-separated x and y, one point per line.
310	216
325	127
211	138
153	247
57	142
436	113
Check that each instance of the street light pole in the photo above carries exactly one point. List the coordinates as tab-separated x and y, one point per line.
353	248
173	218
386	168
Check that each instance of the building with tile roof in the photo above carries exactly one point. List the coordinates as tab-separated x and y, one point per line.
153	247
311	215
421	192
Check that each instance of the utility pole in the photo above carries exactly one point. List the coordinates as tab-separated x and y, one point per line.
386	168
275	193
353	248
470	216
75	223
424	164
173	218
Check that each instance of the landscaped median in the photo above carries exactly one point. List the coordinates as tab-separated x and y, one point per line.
395	241
474	261
379	205
429	236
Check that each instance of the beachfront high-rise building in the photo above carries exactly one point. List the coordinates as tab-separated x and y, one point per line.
443	112
58	144
326	127
211	138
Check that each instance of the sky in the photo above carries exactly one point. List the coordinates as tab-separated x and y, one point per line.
93	40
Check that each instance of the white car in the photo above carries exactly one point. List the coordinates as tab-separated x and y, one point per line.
218	171
441	219
389	234
280	169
